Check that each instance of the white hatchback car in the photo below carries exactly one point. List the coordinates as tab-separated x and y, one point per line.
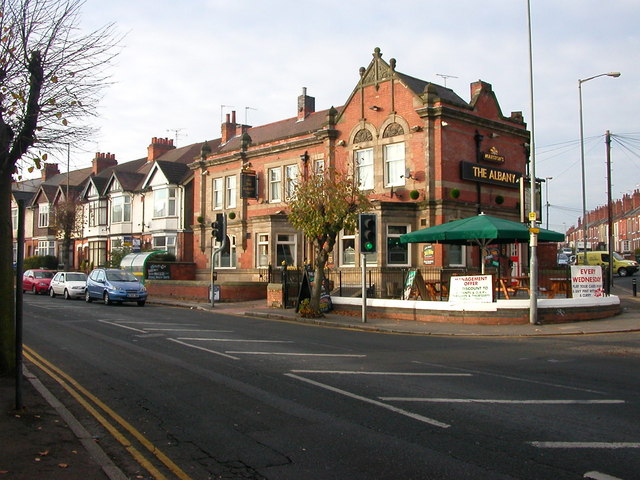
68	284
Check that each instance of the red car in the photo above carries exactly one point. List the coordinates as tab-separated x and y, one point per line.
37	280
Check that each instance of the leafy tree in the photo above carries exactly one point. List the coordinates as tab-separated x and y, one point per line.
321	207
51	76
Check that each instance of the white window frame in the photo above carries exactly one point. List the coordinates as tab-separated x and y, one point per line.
231	191
390	234
46	247
43	215
165	199
347	247
291	173
463	256
286	239
394	164
275	184
365	168
230	260
318	166
165	242
14	219
121	209
262	250
217	195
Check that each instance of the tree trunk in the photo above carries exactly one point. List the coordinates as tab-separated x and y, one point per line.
7	276
318	280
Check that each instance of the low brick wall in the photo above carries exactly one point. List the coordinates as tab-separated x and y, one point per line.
199	291
503	312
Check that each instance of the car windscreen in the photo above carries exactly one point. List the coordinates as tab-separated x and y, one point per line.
43	274
76	277
121	277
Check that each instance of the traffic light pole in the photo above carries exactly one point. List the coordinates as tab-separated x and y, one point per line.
363	262
219	230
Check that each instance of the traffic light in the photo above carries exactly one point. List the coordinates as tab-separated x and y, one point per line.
368	237
218	228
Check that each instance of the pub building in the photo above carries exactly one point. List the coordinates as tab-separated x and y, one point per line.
422	153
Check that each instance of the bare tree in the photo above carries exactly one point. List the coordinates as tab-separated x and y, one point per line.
52	74
66	219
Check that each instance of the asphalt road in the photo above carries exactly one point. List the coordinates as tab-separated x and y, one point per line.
230	397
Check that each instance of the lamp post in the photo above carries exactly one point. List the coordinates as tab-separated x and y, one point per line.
546	194
584	195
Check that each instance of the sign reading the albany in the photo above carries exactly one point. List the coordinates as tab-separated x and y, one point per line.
485	174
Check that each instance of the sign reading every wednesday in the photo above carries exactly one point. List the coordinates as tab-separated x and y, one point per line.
496	176
586	281
474	288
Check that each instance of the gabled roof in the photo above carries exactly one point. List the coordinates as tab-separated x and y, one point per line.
49	192
419	87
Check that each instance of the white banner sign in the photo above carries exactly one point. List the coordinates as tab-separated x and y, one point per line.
475	288
586	281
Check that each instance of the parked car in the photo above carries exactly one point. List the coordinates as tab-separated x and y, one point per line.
37	280
563	259
600	257
68	284
113	285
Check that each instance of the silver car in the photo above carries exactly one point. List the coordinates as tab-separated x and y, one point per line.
68	284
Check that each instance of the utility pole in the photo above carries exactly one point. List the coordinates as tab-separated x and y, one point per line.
607	142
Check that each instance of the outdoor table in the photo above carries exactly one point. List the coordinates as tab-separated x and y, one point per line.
558	285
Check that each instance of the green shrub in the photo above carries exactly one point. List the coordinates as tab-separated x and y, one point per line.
48	262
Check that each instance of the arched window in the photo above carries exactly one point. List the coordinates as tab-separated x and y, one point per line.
392	130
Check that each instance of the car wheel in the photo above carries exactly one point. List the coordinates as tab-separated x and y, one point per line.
34	290
107	300
141	303
87	297
52	294
622	272
66	294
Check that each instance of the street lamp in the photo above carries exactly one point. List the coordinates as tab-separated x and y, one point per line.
584	195
546	194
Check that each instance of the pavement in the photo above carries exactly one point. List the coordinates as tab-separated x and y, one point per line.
44	440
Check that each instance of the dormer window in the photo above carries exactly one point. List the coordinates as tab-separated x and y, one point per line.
43	215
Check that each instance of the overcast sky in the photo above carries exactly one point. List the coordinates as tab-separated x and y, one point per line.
184	60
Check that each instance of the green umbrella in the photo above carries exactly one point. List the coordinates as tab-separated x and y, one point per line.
481	230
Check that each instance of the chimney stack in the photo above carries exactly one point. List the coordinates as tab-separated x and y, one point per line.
158	147
49	170
229	128
306	105
103	161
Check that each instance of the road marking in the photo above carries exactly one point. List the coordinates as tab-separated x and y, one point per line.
202	348
408	374
182	330
608	445
77	391
232	340
510	377
122	326
515	402
412	415
299	354
599	476
136	322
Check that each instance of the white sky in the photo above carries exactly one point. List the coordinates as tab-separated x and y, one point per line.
183	59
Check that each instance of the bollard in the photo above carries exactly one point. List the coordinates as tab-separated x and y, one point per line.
634	287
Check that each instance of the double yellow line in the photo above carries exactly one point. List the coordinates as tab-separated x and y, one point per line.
90	402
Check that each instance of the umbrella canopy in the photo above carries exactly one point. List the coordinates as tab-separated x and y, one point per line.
481	229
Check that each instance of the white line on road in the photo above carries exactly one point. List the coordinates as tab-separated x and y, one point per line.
600	476
136	322
488	400
409	374
298	354
232	340
415	416
609	445
203	349
186	330
122	326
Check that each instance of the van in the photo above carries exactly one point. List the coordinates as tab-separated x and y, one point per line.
600	257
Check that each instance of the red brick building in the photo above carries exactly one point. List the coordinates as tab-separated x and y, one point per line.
423	154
